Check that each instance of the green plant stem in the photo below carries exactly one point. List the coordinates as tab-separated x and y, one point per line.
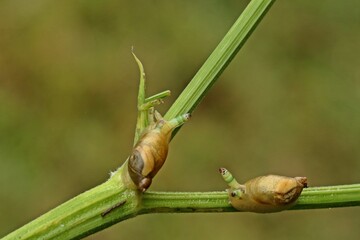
219	58
311	198
84	214
81	216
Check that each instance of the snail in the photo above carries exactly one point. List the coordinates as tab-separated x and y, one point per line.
150	151
265	194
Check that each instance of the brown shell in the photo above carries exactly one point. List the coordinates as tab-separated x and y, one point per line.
148	156
271	193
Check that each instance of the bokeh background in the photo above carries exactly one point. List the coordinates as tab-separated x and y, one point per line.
287	104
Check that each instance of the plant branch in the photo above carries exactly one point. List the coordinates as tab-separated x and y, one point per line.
84	214
219	58
113	201
81	216
311	198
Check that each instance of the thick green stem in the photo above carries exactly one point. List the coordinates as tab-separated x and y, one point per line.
84	214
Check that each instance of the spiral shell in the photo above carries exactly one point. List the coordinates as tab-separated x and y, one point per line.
150	152
271	193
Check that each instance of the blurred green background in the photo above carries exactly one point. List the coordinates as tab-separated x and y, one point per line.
287	104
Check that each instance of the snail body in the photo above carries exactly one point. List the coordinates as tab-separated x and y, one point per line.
150	152
271	193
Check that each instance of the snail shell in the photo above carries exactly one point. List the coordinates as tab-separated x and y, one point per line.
150	152
147	158
271	193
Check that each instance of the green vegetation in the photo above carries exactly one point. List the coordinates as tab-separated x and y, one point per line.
312	198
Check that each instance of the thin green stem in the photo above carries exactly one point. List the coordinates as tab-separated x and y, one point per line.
311	198
158	96
220	58
330	197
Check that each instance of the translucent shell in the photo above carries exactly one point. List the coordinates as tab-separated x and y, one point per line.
150	152
271	193
148	157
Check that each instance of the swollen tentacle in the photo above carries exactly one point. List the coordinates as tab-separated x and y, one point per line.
229	179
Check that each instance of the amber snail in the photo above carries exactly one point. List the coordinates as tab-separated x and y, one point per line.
271	193
150	152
